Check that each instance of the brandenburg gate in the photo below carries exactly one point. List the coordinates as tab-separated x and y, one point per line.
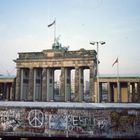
35	74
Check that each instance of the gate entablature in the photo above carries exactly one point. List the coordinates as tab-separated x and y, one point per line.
53	58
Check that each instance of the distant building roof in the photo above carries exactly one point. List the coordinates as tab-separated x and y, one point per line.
7	76
120	75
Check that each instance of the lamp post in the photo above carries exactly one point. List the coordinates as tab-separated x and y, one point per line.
97	68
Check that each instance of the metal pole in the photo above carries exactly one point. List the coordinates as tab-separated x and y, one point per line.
97	68
118	83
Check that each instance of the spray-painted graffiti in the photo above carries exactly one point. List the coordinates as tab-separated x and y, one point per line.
81	124
70	122
78	123
10	120
121	121
36	118
57	122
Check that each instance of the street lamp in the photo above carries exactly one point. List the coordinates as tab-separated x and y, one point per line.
97	44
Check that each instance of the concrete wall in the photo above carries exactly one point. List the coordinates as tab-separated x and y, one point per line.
95	120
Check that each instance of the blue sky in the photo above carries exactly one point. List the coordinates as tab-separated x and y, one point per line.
23	28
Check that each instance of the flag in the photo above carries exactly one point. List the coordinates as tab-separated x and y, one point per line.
51	24
116	61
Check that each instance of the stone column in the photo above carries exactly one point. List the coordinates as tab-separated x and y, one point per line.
44	84
92	89
31	85
21	84
50	84
119	92
112	87
11	93
109	92
34	89
18	83
100	92
62	84
81	85
133	92
76	84
13	89
129	93
138	91
67	84
5	90
8	91
37	81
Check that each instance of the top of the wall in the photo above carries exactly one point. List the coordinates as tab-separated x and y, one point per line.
69	105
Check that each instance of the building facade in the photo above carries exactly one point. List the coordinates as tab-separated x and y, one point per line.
35	75
7	87
128	91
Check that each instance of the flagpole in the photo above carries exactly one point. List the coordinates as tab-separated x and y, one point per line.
118	83
54	24
54	30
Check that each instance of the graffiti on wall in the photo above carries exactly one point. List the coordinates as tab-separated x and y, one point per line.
10	119
36	118
125	121
58	122
69	122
